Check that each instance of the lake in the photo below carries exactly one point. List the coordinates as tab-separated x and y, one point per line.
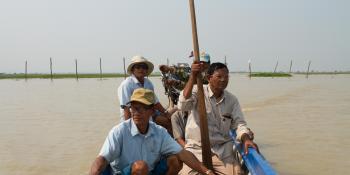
302	126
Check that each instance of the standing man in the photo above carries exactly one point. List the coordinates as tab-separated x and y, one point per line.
138	146
223	114
138	69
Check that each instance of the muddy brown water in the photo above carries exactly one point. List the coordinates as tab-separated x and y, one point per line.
57	127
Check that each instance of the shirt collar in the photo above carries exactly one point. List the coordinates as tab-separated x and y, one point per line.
211	94
135	131
135	79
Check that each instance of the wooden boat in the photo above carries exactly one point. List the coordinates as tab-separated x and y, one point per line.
255	162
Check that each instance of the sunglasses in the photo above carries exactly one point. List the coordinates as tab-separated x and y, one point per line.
140	66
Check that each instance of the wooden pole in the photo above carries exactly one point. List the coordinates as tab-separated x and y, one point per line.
76	69
290	67
225	61
100	68
250	69
308	68
274	71
25	70
51	68
124	68
206	150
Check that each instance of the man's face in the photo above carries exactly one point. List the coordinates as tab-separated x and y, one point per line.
141	113
219	80
140	70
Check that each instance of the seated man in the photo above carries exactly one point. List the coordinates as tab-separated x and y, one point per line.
223	114
137	145
138	69
178	121
179	118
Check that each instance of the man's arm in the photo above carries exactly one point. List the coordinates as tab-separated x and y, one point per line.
181	141
98	166
162	110
195	69
190	160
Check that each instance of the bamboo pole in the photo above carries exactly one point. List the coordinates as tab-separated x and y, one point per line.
274	71
76	69
250	69
124	68
25	70
206	150
308	68
100	68
225	61
51	68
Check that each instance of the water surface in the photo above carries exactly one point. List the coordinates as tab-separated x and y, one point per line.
57	127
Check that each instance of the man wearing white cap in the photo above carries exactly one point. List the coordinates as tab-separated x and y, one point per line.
138	69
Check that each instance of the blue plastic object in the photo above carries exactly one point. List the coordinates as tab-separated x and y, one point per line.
254	161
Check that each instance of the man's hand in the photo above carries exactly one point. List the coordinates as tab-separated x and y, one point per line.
248	143
196	68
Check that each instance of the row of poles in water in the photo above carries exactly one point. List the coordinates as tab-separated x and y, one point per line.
100	66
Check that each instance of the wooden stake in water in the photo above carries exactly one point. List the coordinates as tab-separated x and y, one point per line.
25	70
100	68
250	69
124	68
51	68
76	69
290	67
225	61
308	68
206	150
274	71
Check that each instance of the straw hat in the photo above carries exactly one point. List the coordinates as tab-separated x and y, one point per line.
140	59
144	96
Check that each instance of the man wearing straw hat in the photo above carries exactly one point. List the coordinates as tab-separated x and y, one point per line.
138	146
223	114
138	69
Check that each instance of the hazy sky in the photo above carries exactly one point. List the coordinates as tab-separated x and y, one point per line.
261	30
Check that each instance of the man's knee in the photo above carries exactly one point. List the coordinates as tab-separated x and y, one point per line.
139	167
174	164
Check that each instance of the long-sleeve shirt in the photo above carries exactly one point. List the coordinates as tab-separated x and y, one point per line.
222	115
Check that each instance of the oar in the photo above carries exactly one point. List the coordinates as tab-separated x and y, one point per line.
206	151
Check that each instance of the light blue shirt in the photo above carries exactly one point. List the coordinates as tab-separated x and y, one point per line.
126	89
125	145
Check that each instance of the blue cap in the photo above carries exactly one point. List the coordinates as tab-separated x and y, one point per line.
204	57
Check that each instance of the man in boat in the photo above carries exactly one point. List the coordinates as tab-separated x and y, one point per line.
223	114
138	69
139	146
174	80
